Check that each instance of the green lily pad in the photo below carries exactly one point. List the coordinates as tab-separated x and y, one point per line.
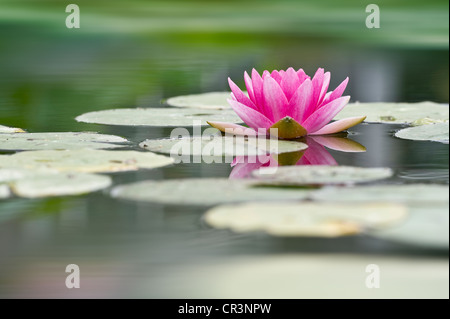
409	193
433	132
4	191
210	100
203	192
165	117
53	141
217	146
396	113
7	129
320	174
305	219
84	160
59	184
426	225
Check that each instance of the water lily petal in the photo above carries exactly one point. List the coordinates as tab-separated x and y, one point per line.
252	118
301	101
257	83
337	93
249	86
340	125
276	76
275	101
316	154
290	83
237	129
302	76
325	114
325	84
240	96
341	144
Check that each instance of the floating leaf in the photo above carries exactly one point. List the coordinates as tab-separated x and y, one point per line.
53	141
217	146
319	174
409	193
84	160
426	225
210	100
433	132
7	129
159	117
305	219
396	113
304	275
4	191
59	184
203	192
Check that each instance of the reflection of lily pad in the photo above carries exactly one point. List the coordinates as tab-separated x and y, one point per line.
59	184
433	132
221	145
210	100
320	174
86	160
4	191
426	225
53	141
159	117
7	129
203	192
409	193
395	113
305	219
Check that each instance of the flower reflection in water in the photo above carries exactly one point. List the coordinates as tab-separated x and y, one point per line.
315	154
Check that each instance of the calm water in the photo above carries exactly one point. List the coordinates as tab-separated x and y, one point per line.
127	249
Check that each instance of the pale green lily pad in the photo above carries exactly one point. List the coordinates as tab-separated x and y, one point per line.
7	129
305	219
320	174
59	184
217	146
433	132
203	192
396	113
84	160
302	275
4	191
165	117
210	100
409	193
54	141
426	225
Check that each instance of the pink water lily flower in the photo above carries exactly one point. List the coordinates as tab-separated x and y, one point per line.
289	101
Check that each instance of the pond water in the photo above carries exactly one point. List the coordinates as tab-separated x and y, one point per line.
132	249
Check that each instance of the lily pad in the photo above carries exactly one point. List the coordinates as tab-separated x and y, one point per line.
217	146
426	225
204	192
59	184
4	191
409	193
7	129
53	141
84	160
396	113
305	219
210	100
433	132
319	174
164	117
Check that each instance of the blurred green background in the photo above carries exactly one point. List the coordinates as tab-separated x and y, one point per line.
135	53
